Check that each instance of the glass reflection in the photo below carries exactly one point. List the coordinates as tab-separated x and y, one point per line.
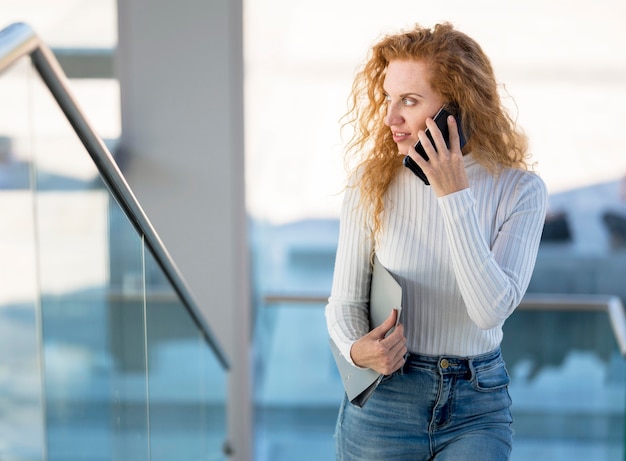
99	358
21	405
187	387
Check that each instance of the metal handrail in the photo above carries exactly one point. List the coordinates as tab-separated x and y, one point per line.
19	40
610	304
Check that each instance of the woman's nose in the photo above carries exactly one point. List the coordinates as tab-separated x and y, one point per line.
393	116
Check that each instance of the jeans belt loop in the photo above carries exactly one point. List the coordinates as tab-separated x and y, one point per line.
472	370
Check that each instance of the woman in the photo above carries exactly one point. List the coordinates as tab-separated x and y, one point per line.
462	248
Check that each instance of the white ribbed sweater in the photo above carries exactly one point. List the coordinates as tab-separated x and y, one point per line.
464	260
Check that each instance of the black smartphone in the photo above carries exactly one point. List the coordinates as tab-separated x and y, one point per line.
441	119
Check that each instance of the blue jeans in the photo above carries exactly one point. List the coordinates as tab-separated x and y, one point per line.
433	408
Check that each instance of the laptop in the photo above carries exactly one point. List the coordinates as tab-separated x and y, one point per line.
385	295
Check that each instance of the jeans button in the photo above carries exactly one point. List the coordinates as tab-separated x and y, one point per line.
444	363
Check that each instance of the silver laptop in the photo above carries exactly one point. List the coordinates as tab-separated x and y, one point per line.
385	295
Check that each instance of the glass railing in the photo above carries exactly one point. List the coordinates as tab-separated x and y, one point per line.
103	351
565	352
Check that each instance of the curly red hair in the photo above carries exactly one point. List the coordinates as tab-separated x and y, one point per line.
459	71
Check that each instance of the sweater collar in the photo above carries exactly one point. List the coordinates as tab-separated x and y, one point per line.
468	159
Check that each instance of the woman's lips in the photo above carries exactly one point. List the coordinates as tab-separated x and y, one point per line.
399	136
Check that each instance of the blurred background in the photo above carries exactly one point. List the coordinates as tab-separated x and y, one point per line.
228	108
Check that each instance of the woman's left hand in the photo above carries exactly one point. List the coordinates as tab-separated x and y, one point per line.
445	168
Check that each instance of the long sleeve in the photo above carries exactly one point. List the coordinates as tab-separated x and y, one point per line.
347	311
493	276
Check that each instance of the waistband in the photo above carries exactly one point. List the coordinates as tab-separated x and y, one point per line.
451	363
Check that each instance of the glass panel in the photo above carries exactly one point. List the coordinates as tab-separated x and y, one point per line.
94	355
297	405
567	384
187	385
21	422
128	396
86	327
296	400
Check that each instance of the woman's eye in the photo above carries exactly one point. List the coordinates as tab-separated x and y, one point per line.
408	102
387	98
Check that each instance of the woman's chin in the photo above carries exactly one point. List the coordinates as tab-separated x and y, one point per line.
404	147
403	150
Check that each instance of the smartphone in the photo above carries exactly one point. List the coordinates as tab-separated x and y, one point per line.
441	119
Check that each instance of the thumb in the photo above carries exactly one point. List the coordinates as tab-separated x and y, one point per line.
381	330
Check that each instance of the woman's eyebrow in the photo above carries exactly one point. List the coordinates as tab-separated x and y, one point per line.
404	95
412	94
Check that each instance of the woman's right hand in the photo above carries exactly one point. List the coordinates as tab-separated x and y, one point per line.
383	354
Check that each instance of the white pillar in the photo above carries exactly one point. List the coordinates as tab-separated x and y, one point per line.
180	67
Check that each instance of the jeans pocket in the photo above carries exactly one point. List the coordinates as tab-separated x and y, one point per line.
491	377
